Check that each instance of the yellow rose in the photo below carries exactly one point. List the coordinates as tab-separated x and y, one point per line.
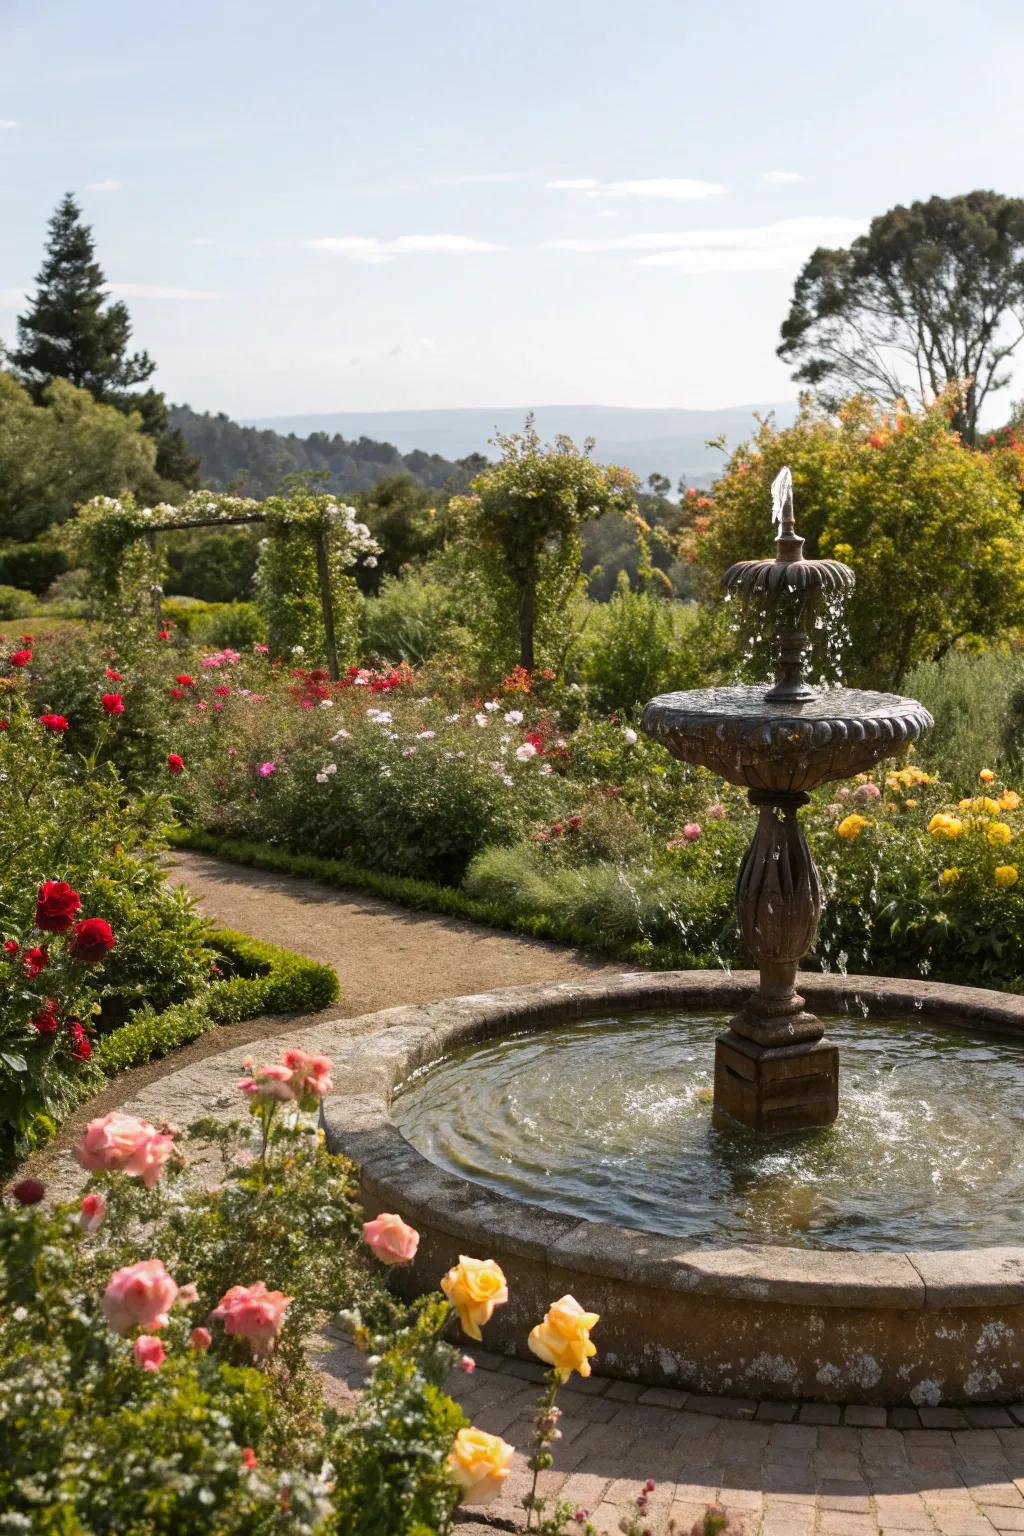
1006	874
942	825
990	806
986	775
479	1463
1009	800
951	876
563	1338
475	1287
998	834
912	805
851	826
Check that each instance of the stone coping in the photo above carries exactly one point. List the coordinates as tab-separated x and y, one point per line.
386	1046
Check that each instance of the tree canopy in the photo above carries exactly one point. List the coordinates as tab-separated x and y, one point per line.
932	295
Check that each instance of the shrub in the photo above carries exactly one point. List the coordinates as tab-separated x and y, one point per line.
32	566
971	696
16	604
636	646
410	619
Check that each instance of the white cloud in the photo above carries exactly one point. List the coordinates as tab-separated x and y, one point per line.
157	291
780	178
678	189
369	249
109	185
757	248
9	122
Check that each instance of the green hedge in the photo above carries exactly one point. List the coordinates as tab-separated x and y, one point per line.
270	980
426	896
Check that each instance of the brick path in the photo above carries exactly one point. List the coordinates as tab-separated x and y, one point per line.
815	1470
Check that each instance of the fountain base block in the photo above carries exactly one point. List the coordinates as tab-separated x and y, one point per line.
775	1089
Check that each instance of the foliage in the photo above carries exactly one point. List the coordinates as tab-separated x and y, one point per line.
64	451
33	566
288	587
902	501
636	647
931	296
216	565
521	527
402	517
974	699
412	618
15	604
260	462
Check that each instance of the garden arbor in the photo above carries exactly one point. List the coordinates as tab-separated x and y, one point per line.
302	580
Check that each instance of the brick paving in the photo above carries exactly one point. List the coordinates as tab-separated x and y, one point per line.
784	1469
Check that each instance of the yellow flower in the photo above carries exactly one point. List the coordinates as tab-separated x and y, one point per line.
851	826
479	1463
986	775
968	805
942	825
563	1338
1009	800
951	876
998	834
1006	875
475	1287
989	806
912	804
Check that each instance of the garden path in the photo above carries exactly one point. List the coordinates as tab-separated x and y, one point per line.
783	1469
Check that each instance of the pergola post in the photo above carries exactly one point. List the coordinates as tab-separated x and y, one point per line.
323	572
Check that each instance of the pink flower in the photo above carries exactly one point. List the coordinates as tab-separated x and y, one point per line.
200	1340
149	1352
311	1075
391	1239
261	649
691	831
266	769
91	1212
254	1313
467	1364
270	1085
716	813
139	1296
117	1143
867	791
249	1458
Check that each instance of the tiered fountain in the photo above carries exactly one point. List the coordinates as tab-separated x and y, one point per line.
774	1070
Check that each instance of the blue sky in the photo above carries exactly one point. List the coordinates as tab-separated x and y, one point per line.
340	206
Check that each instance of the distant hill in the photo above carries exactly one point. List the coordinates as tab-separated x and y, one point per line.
254	461
671	442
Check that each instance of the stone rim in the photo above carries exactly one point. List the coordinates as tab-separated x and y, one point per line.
395	1175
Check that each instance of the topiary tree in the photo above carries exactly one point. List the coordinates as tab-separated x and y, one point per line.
931	527
521	526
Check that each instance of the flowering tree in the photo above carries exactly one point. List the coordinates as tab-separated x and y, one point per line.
522	522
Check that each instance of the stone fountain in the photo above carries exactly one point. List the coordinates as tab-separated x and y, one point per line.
774	1070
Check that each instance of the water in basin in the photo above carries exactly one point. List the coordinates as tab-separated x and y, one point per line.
610	1119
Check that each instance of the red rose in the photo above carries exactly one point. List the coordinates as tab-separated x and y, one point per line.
177	693
164	634
11	946
5	725
185	681
81	1045
115	677
55	722
21	658
113	703
535	740
45	1021
91	941
56	905
175	764
28	1191
34	960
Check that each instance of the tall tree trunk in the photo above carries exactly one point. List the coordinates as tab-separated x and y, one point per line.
526	606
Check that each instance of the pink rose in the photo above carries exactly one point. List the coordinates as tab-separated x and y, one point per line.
716	813
139	1296
311	1075
200	1340
149	1352
392	1240
91	1212
121	1143
270	1085
254	1313
691	831
867	791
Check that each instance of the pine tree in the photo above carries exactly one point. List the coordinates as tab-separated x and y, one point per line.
70	331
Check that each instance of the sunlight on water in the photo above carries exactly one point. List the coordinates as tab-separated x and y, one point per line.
611	1119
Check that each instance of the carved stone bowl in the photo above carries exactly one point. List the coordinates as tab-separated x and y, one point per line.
782	747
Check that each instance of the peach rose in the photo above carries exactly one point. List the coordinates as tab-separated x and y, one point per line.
563	1338
200	1340
270	1085
393	1241
479	1463
475	1287
117	1143
139	1296
254	1313
311	1075
91	1212
149	1352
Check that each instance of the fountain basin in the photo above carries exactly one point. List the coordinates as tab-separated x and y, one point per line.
919	1327
762	743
